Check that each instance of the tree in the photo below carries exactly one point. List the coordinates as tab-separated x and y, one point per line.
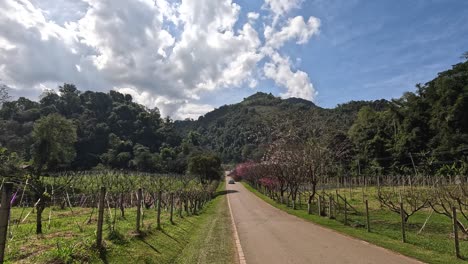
3	94
9	164
206	166
465	55
54	138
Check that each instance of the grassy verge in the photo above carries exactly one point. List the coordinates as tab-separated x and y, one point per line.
212	242
434	245
70	237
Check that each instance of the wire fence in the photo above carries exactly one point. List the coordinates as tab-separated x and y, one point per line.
84	205
415	209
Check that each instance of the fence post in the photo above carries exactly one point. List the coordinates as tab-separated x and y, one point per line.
330	216
319	203
158	220
455	232
345	212
4	216
367	216
102	197
138	214
402	214
172	207
180	201
122	208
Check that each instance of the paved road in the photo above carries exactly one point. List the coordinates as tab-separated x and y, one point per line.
269	235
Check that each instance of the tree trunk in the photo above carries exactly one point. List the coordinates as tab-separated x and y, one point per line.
158	224
39	209
309	204
122	210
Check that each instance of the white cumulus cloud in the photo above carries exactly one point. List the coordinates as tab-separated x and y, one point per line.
166	54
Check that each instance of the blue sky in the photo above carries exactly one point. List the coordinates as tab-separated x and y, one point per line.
187	57
368	50
380	49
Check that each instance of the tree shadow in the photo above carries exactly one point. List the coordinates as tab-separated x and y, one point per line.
224	192
103	255
151	246
171	237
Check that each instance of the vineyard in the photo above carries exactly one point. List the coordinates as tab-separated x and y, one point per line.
84	216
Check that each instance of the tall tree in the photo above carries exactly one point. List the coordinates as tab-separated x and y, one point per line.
54	138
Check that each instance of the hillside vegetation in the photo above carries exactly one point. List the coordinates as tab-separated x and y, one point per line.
113	131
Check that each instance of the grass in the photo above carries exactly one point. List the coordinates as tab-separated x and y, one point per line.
69	238
213	241
434	245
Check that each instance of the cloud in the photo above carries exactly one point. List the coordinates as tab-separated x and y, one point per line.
166	54
281	7
253	16
295	28
297	82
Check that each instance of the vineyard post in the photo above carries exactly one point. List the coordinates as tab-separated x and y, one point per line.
330	207
122	209
158	223
180	205
4	216
402	214
138	216
455	232
367	216
172	207
319	203
102	197
345	212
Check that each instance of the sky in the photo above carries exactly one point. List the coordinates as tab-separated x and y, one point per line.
188	57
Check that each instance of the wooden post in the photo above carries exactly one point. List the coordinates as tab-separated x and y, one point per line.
455	232
402	214
122	209
172	208
138	213
345	212
180	205
367	216
330	205
158	219
4	216
319	203
102	197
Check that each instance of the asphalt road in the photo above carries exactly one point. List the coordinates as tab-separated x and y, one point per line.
269	235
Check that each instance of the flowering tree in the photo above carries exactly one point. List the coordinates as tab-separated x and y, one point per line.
242	170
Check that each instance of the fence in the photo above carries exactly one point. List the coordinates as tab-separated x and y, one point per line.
372	203
93	200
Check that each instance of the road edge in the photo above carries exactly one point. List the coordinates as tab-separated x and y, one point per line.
333	230
240	252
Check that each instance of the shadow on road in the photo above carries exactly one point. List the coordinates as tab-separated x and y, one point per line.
224	192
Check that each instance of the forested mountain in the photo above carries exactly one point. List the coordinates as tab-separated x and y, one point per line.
426	130
242	131
429	127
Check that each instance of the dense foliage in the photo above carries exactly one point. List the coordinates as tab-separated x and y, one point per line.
244	131
105	130
423	131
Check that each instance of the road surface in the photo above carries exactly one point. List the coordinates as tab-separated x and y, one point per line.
269	235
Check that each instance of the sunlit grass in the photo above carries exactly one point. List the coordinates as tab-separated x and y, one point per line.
70	237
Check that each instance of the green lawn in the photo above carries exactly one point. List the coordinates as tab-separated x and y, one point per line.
202	238
434	245
213	241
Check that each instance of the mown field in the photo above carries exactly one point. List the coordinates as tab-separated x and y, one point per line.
434	244
70	235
